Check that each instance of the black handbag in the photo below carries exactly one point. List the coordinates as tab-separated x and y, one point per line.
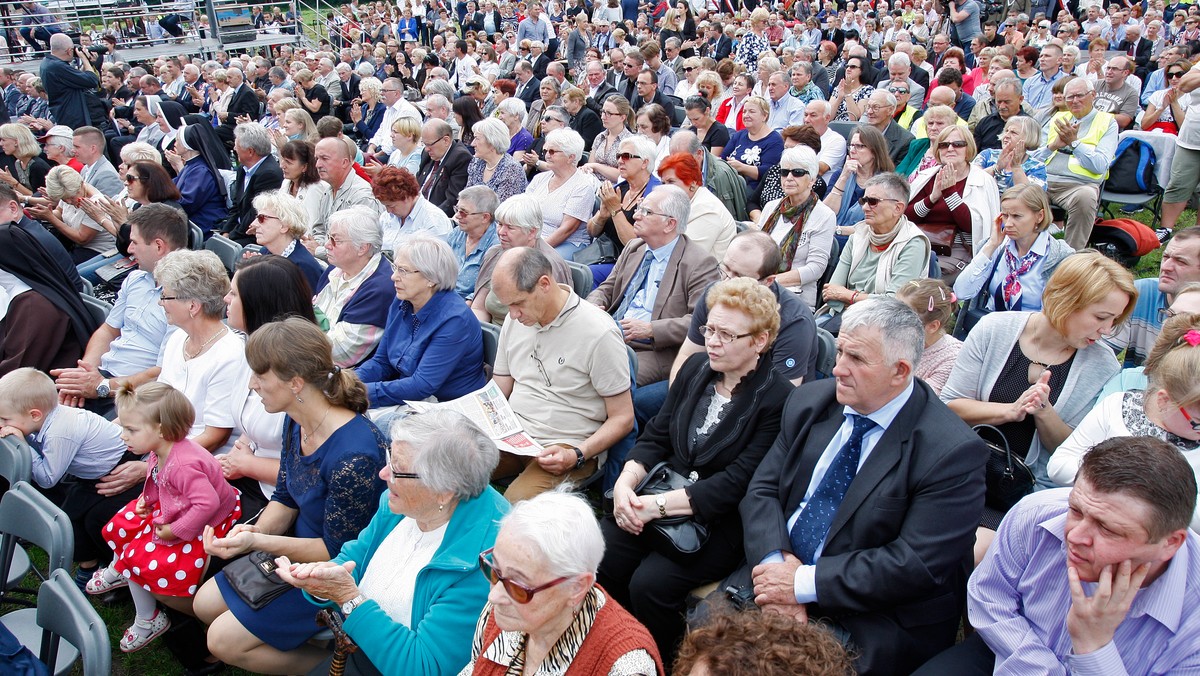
976	308
683	533
1008	477
254	579
601	250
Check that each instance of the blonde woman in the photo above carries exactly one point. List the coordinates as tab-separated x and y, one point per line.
65	187
30	169
297	125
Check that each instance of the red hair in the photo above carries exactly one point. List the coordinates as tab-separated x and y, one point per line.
394	184
686	168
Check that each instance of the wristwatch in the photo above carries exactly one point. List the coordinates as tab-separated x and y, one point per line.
104	390
661	501
349	606
579	459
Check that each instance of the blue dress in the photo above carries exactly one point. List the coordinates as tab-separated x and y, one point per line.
335	491
763	153
199	196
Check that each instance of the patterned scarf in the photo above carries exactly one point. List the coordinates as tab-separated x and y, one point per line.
1012	282
797	215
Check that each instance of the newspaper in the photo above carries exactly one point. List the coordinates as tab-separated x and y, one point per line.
488	408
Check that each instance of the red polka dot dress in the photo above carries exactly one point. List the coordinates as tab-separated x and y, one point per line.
188	492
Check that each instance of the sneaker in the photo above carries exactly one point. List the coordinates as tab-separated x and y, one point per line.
1132	208
1163	234
144	631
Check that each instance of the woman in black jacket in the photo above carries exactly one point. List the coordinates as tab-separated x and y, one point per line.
720	417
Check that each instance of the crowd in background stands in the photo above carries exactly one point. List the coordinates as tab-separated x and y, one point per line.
642	223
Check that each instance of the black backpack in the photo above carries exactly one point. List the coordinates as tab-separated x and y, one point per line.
1132	171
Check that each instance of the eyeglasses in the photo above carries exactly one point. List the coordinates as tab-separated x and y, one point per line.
855	146
643	211
402	475
130	178
876	106
798	173
852	66
263	218
1176	73
609	112
627	156
952	144
463	213
724	337
404	272
874	201
898	90
1076	97
688	70
163	299
728	273
515	590
1195	424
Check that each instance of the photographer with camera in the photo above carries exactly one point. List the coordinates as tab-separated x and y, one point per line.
964	14
72	88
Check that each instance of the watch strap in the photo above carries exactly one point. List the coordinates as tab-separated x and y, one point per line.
579	459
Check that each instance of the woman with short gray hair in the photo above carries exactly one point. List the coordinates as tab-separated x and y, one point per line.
281	221
432	345
493	166
203	359
518	223
416	564
545	610
511	112
566	194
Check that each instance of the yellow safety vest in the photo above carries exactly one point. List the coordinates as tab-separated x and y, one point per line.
1092	138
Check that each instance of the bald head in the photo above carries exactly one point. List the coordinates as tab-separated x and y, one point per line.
942	96
60	45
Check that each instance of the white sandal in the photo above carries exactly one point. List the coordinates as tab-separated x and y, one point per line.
101	584
134	640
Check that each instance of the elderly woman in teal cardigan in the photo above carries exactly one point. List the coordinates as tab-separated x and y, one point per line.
410	587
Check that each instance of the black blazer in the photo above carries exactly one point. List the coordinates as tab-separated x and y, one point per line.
638	103
530	92
894	568
596	103
722	48
726	460
244	102
539	65
450	179
268	176
587	123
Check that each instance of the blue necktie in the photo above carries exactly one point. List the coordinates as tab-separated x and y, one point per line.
812	525
635	284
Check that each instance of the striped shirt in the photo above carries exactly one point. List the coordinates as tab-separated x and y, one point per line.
1019	596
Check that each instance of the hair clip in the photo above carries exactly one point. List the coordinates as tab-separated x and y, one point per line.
1192	337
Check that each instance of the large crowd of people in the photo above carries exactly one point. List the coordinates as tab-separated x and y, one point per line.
641	224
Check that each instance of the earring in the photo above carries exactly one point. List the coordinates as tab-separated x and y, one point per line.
298	398
430	285
441	507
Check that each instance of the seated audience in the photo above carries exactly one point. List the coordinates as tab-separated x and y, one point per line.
1187	301
355	292
710	225
475	233
409	586
617	116
545	607
922	152
406	211
613	220
761	644
800	224
1012	164
197	159
720	417
565	192
821	543
64	214
1017	259
656	281
29	168
1122	532
866	156
885	251
755	149
258	172
518	224
493	166
572	396
329	483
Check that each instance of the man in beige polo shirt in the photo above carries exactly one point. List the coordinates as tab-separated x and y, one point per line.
563	366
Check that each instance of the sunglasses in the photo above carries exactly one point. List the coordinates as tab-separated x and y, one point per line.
1195	424
627	156
874	201
798	173
952	144
898	90
515	590
263	218
688	70
1175	73
130	178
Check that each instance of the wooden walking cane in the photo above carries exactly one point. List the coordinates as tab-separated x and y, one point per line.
343	645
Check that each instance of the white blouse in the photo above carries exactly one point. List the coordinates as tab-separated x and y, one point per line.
401	556
207	380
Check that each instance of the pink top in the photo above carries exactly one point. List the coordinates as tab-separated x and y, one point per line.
937	361
190	490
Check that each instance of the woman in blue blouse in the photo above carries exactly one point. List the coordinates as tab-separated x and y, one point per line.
1012	165
493	166
866	155
406	28
282	220
197	158
432	345
327	491
369	114
754	150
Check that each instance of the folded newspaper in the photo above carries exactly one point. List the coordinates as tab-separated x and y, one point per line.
488	408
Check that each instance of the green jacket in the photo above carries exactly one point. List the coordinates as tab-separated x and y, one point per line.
727	185
449	594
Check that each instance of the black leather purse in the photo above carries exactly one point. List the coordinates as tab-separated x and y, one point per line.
1008	477
683	533
254	579
975	309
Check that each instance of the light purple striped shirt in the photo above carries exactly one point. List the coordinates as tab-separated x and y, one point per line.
1019	596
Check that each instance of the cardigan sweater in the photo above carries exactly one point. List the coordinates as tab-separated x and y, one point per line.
613	634
191	492
984	354
449	594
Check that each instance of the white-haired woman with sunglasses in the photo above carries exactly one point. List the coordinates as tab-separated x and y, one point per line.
800	223
956	203
410	586
545	610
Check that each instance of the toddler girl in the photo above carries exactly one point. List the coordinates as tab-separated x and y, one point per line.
157	538
934	303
